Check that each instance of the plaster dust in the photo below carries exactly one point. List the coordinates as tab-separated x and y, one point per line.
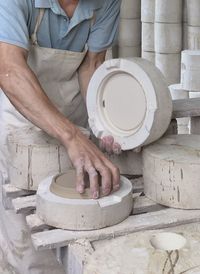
135	254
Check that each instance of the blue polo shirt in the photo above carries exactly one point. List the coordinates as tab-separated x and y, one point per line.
18	18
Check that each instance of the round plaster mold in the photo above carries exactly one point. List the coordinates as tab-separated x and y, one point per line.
34	155
171	171
59	205
129	99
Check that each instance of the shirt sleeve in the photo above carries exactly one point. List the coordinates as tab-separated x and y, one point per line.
13	22
104	32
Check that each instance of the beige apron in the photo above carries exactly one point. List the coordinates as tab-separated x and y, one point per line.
57	73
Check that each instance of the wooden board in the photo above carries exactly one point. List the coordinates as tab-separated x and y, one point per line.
155	220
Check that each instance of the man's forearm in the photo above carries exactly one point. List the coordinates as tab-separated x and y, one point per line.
25	92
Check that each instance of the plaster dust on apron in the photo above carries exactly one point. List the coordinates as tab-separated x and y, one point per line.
56	71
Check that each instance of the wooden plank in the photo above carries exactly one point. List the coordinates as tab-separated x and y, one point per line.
155	220
186	108
24	205
12	191
142	204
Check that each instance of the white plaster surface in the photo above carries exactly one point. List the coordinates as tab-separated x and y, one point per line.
168	38
171	171
148	11
130	9
148	36
193	12
135	254
193	37
168	11
129	32
126	52
149	55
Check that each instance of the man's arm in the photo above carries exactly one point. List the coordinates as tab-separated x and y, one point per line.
23	89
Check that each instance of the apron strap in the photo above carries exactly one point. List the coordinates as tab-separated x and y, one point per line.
38	22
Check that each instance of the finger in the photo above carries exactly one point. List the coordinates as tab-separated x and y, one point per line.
94	184
106	178
102	144
109	140
117	148
115	176
80	184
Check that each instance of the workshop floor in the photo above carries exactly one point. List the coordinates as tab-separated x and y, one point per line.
4	267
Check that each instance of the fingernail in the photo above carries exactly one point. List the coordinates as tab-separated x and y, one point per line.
96	195
80	189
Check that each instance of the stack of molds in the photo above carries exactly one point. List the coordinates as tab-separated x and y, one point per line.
168	38
33	156
177	92
147	18
193	24
59	205
190	80
129	40
171	171
129	99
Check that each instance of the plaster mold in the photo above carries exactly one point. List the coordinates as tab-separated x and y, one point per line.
33	156
130	9
177	92
148	37
168	11
168	38
171	171
169	65
124	52
190	70
148	11
193	37
149	55
129	99
129	33
185	36
193	13
59	205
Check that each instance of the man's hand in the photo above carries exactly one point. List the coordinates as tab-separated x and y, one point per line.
87	158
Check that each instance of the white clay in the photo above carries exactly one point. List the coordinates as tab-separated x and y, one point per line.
130	9
193	37
193	13
125	52
171	171
190	70
169	65
168	11
135	115
129	33
168	241
168	38
149	55
147	36
79	212
148	11
33	156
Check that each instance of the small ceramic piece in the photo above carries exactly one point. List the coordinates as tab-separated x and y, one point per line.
148	37
129	33
59	205
33	156
168	241
130	9
168	11
190	70
129	99
148	11
168	38
169	65
171	171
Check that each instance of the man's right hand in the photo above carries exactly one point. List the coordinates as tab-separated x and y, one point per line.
87	158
